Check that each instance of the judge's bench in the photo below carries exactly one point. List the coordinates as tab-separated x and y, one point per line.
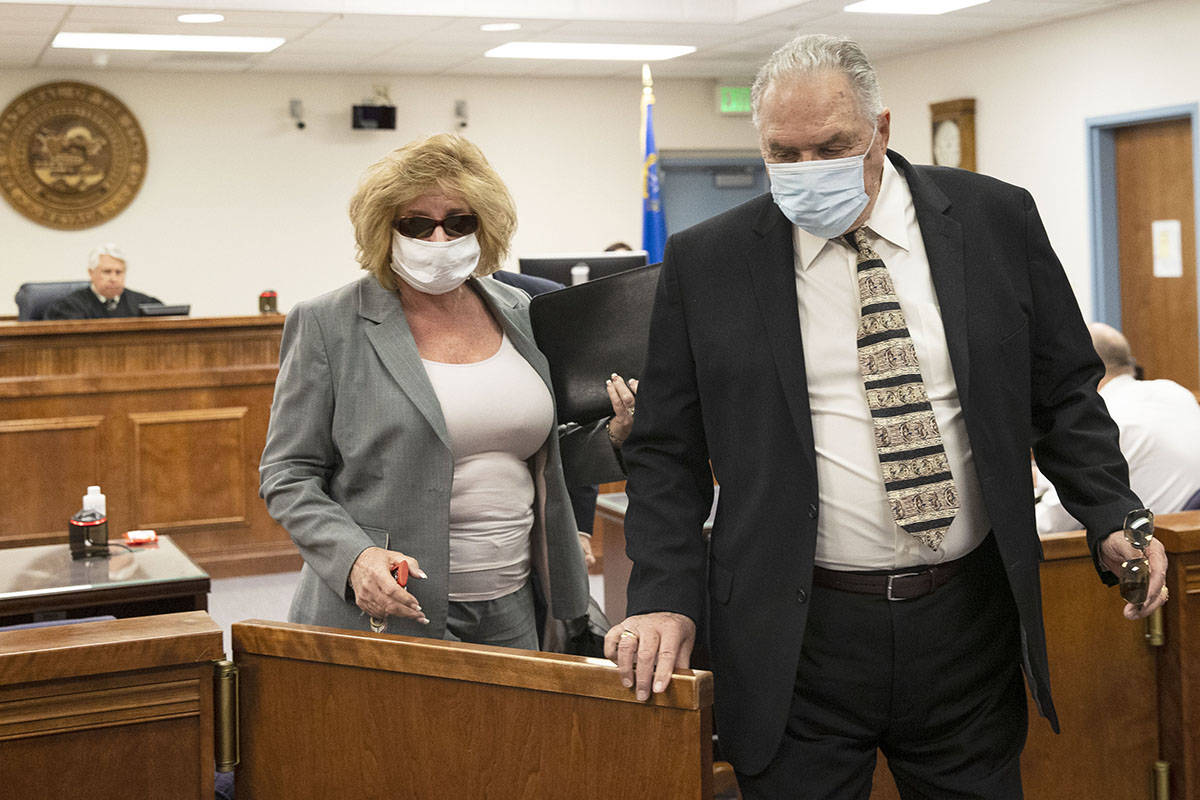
169	417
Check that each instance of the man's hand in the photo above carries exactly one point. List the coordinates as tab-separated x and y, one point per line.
1114	549
376	591
650	646
585	544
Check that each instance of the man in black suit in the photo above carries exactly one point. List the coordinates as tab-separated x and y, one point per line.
107	296
864	358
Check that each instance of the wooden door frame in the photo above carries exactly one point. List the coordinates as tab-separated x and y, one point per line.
1102	195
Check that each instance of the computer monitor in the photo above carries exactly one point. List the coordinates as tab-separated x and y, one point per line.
559	266
164	310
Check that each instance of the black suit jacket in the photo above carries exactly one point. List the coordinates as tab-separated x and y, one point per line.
82	304
725	382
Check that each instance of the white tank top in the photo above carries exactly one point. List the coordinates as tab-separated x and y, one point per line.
498	413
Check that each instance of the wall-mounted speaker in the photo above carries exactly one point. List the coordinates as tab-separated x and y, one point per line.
374	117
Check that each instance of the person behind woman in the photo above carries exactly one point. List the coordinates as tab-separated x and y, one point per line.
413	421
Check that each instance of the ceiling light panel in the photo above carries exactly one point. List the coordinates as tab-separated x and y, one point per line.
589	51
200	19
910	6
166	42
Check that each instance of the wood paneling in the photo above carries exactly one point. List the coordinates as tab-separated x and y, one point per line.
201	449
178	410
331	713
1102	673
43	458
1179	659
109	710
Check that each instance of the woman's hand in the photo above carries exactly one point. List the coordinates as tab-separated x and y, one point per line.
621	395
376	591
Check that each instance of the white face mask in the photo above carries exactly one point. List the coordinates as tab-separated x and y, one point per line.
821	197
434	267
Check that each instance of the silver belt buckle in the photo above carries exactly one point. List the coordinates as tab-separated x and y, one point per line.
891	578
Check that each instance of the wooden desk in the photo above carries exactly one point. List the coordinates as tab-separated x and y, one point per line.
1123	703
168	415
109	710
44	582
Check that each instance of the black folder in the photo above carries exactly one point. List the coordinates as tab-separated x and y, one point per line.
590	331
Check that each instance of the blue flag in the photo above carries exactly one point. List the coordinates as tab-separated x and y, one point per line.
654	223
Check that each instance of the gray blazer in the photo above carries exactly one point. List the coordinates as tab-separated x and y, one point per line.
357	455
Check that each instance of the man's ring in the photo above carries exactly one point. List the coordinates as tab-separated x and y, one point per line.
628	633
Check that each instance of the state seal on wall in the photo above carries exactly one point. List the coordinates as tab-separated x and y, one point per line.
72	156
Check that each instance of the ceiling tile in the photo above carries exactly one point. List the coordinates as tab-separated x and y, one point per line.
444	36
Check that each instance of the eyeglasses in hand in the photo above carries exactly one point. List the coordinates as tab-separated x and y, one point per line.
1135	573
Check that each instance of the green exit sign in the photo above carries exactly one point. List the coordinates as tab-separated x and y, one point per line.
733	99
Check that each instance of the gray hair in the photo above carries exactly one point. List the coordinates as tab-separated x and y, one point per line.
107	249
818	52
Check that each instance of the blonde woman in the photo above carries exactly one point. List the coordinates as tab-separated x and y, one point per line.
413	421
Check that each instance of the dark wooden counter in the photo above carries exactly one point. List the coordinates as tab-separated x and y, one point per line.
168	415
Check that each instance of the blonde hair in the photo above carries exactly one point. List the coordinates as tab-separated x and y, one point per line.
445	162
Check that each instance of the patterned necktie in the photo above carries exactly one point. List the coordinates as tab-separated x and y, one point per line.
912	460
110	305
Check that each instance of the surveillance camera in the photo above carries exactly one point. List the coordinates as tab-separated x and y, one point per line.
296	112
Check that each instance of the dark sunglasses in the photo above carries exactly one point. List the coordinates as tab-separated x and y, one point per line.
420	227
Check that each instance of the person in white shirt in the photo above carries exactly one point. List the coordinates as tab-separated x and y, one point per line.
1159	422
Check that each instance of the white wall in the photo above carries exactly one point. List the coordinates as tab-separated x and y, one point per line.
1034	91
237	200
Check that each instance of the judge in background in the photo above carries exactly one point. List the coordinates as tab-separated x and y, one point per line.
413	421
107	296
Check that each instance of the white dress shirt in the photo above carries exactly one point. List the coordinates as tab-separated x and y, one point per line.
1159	423
855	529
104	300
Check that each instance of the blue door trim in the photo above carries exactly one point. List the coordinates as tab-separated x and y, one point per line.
1102	191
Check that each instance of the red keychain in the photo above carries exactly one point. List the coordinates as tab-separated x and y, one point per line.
400	573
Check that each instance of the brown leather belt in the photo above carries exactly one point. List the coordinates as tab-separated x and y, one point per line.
905	584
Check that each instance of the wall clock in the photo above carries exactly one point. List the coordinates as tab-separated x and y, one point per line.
953	133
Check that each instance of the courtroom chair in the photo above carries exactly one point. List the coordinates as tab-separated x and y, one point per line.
1192	503
35	297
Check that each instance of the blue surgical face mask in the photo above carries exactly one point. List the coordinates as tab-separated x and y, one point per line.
821	197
